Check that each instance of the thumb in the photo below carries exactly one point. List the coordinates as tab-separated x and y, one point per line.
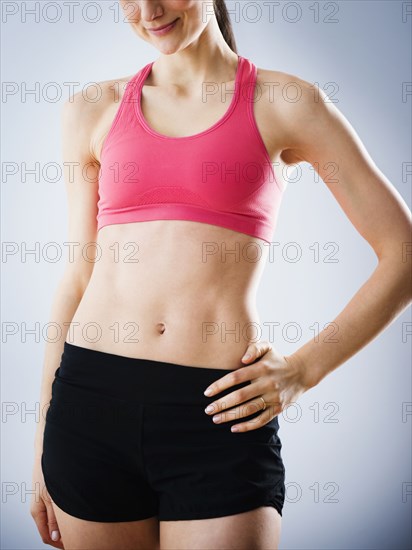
256	350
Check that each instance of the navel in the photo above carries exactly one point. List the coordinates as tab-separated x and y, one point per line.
161	328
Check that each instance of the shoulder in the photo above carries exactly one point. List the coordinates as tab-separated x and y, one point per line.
298	108
93	99
84	112
290	89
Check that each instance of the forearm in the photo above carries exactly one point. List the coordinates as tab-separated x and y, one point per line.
65	302
385	294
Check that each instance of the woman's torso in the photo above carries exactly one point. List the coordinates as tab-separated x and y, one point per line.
179	291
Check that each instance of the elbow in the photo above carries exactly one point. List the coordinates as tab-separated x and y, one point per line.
397	251
396	259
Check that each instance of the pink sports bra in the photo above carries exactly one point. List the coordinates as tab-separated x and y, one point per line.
222	176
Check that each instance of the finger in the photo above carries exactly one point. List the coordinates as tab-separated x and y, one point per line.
241	411
252	424
40	519
233	378
256	350
237	397
53	526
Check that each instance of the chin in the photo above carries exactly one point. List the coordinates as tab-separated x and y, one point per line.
168	49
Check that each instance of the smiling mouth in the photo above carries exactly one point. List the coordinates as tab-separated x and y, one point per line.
163	28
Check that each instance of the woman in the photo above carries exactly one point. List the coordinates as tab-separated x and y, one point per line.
160	309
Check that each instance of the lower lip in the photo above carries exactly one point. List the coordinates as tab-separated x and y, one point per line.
167	29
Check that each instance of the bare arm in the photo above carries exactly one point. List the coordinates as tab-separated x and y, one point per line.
320	134
77	122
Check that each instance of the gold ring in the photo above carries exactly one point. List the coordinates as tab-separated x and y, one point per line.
264	403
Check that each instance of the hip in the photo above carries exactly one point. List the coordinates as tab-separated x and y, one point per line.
100	391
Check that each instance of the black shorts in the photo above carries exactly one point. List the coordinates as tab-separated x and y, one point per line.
126	439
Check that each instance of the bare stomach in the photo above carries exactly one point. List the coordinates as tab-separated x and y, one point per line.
174	291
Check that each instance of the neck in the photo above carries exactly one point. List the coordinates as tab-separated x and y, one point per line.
209	58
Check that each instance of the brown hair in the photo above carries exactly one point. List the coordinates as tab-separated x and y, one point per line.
225	24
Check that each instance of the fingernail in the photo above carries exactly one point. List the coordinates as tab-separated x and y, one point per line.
55	535
209	408
208	391
247	356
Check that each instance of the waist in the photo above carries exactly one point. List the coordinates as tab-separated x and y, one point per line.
190	329
171	301
131	379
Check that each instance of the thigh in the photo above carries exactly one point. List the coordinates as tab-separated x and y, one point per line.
256	529
201	470
91	458
79	534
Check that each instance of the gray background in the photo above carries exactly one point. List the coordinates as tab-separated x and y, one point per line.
347	451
